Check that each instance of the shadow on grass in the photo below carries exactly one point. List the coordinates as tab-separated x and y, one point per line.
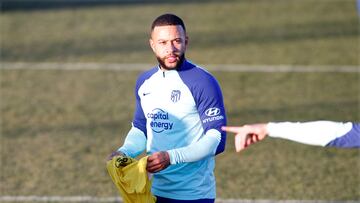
27	5
306	112
314	111
84	129
137	42
280	34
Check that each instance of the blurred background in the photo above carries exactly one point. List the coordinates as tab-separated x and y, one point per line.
63	110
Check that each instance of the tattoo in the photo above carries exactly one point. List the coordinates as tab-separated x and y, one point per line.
163	156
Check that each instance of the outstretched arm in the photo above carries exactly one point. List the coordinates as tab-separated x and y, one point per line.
320	133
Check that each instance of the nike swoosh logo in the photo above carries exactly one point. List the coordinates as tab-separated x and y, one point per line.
147	93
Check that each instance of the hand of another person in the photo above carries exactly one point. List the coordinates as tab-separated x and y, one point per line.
116	153
247	134
157	162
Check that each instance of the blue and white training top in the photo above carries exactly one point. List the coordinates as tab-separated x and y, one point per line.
179	111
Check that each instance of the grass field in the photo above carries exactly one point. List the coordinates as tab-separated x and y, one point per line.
58	126
241	32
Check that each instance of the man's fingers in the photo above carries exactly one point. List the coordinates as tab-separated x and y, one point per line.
241	137
116	153
151	161
152	168
242	141
239	142
249	141
151	158
246	135
255	138
157	162
232	129
151	164
155	166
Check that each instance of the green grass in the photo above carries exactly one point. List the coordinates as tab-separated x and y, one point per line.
241	32
58	127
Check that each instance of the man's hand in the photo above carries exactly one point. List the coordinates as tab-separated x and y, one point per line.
157	162
116	153
247	134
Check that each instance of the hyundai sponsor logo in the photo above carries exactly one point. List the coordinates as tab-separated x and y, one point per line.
213	115
212	111
159	120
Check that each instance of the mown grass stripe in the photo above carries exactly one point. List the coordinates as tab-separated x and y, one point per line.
211	67
119	200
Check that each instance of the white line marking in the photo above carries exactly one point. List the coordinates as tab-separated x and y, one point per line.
119	200
284	68
58	199
210	67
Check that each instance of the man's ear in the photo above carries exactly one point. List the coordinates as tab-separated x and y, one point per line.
151	42
186	40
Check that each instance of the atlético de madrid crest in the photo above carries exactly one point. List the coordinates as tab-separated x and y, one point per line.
175	95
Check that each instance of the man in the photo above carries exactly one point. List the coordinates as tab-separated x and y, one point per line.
321	133
178	118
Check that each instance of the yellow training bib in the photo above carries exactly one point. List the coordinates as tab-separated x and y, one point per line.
131	179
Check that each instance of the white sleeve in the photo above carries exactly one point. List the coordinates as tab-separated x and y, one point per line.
134	144
313	133
204	147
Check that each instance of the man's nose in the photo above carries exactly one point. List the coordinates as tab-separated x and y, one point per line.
171	47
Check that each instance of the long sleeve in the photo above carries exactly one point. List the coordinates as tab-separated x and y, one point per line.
312	133
205	146
135	143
